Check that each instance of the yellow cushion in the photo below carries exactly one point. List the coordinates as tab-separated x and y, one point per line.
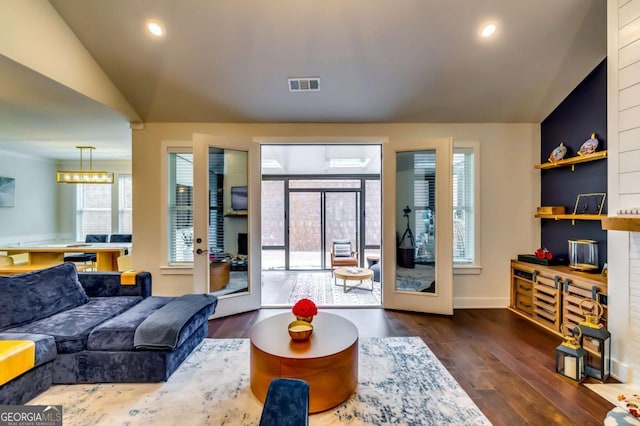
16	357
129	277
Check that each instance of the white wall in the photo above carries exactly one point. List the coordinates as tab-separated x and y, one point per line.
34	217
623	121
34	35
45	209
510	192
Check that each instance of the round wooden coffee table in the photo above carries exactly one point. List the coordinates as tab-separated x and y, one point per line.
353	274
328	361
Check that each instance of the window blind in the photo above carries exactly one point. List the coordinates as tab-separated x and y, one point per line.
125	205
463	206
180	207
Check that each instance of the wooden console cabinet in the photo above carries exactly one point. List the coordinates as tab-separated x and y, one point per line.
551	295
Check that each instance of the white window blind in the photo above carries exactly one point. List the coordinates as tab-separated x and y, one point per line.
125	205
463	206
93	210
180	207
216	201
424	193
464	209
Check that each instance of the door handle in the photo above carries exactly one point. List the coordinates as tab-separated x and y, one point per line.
200	251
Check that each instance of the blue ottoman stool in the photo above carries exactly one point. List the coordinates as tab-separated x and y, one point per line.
376	272
286	404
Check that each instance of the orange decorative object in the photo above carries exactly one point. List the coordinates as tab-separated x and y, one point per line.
300	331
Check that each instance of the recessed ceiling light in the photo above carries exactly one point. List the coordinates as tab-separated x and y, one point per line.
155	28
488	30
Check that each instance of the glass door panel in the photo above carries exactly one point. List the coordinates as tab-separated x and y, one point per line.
305	225
415	194
341	220
273	224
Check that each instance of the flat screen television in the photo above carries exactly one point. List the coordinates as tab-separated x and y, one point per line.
239	198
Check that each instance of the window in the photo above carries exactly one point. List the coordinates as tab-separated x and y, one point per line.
180	207
93	210
465	215
125	205
465	204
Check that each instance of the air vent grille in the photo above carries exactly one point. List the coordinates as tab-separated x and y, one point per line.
304	84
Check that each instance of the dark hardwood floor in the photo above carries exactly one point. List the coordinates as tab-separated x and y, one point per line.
505	363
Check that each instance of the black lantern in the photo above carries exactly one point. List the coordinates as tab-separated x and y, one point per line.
570	356
596	339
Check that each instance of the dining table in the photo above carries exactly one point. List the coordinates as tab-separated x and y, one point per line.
42	256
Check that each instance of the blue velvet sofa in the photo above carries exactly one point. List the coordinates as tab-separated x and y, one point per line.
86	328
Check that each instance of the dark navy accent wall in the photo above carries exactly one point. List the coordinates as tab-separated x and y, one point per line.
583	112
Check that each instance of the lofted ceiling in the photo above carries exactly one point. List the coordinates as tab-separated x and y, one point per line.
378	61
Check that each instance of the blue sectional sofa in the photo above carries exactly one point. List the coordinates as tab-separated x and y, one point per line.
92	327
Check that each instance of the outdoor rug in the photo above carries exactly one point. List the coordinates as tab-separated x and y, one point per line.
321	288
400	382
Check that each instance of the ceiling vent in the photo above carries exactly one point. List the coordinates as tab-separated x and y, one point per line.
304	84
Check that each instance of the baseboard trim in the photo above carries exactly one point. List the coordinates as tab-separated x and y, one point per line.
620	371
480	302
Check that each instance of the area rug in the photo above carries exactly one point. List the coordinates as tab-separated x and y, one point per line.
420	278
322	289
400	382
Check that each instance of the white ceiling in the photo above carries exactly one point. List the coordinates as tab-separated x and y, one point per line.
378	61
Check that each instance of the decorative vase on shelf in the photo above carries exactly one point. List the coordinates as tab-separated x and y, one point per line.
558	153
590	145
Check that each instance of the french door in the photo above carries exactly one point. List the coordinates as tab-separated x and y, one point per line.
226	182
417	219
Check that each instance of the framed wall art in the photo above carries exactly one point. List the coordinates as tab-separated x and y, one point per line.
7	192
590	203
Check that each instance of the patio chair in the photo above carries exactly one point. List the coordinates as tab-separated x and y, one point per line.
343	255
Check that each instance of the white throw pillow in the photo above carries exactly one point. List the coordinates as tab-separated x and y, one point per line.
342	250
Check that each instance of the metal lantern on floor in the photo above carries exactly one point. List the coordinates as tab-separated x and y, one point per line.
596	339
570	356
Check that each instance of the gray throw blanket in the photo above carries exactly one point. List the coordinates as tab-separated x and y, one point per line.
161	329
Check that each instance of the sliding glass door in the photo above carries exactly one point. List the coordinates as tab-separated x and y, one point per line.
342	219
305	230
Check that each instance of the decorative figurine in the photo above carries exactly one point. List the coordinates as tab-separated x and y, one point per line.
590	145
558	153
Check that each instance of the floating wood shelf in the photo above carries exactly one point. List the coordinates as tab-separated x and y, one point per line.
572	216
621	223
573	160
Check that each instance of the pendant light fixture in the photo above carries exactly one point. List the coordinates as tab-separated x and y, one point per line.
84	176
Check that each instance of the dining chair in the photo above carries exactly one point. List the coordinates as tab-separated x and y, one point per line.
88	259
